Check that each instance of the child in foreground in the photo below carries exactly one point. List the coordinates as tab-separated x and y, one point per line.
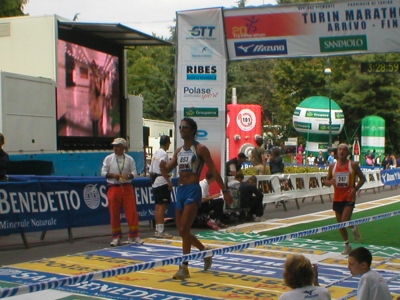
372	286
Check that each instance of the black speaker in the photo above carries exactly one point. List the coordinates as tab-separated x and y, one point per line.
146	134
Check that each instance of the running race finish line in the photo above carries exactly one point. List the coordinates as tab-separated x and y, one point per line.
55	283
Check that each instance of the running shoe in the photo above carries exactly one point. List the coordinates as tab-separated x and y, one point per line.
213	225
356	233
221	225
257	219
182	273
162	235
136	240
207	260
346	249
115	242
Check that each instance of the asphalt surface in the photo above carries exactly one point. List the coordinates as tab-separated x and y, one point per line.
57	243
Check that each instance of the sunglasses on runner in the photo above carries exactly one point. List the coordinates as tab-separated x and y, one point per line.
184	127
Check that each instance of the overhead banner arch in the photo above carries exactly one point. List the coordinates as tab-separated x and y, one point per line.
313	29
208	38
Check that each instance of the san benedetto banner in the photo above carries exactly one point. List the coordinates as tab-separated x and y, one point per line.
313	29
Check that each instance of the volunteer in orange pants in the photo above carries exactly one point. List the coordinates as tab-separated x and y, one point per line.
123	196
119	168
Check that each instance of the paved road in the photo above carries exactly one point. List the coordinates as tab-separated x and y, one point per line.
56	242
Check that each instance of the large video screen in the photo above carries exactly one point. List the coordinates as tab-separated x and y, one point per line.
88	95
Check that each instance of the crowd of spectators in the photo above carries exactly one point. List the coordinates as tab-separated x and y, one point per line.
386	161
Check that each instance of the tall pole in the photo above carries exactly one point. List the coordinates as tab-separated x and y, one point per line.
330	113
328	71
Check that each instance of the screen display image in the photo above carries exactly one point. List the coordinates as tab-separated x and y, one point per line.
88	92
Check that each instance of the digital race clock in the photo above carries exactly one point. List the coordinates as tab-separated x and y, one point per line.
380	67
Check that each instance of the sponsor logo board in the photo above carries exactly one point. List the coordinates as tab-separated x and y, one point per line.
203	93
197	112
325	127
246	119
201	72
201	52
317	114
343	43
202	32
339	115
253	48
247	27
302	125
322	146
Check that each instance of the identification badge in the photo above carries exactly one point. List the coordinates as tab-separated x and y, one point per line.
342	179
184	162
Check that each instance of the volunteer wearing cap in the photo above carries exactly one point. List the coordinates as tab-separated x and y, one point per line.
162	186
119	169
234	165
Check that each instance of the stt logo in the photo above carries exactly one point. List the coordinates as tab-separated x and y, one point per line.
202	31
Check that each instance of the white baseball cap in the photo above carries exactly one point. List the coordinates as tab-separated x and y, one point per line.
120	141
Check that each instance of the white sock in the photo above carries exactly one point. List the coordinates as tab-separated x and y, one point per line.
160	228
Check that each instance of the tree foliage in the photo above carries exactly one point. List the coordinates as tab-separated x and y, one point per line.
12	8
151	74
360	94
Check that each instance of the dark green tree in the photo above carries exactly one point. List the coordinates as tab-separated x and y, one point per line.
366	94
12	8
151	74
241	3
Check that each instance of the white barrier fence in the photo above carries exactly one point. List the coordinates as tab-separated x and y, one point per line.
280	188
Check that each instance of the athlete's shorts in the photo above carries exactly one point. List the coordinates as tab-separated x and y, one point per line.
162	194
187	194
339	206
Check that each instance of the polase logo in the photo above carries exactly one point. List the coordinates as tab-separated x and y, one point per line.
343	43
